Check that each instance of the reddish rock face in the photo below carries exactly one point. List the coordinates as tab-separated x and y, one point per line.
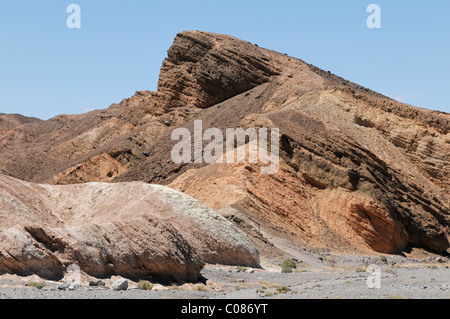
358	170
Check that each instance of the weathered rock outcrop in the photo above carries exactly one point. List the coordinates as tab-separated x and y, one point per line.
205	69
130	229
359	170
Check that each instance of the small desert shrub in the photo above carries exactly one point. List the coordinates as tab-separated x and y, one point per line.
360	269
286	270
288	265
241	269
283	290
382	258
38	285
145	285
432	267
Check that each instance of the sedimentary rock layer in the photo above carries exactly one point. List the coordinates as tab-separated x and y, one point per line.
359	170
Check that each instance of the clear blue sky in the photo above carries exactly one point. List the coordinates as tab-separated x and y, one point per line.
47	69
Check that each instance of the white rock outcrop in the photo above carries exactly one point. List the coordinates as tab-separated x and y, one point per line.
127	229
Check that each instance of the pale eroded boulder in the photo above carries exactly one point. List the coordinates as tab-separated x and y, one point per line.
128	229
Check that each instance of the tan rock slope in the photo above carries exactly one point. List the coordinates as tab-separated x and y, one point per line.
134	230
358	171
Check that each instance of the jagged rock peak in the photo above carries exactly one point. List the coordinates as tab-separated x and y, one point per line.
203	69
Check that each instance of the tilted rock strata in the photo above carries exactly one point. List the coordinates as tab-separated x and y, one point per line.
364	171
192	75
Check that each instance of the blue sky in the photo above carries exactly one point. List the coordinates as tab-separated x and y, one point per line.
47	69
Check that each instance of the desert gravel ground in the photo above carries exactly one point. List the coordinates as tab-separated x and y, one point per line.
319	275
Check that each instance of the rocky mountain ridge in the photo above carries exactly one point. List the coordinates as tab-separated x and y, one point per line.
359	171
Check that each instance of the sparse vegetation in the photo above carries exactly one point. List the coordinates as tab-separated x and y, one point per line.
283	290
288	265
266	285
145	285
432	266
38	285
315	286
241	269
361	269
383	259
286	270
